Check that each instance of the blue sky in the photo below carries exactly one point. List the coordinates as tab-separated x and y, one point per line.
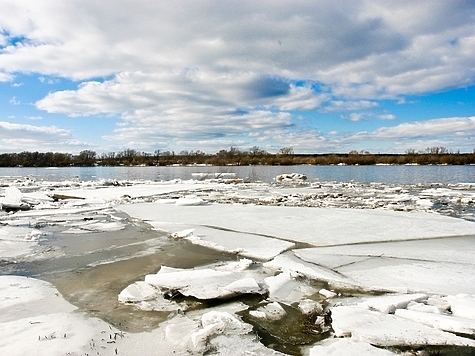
321	77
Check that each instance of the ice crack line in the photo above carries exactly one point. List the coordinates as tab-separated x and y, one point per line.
397	258
298	244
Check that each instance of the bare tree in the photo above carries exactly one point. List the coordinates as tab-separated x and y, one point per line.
286	151
86	158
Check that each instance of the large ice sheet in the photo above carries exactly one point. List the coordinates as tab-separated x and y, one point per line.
388	330
16	241
36	320
442	322
111	193
244	244
451	249
342	347
445	265
316	226
414	276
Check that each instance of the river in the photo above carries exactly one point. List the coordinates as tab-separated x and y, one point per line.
363	174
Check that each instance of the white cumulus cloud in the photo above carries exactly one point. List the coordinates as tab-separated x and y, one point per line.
204	70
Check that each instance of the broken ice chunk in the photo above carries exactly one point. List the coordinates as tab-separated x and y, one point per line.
258	314
424	308
183	234
462	305
137	292
440	303
241	265
13	200
190	200
271	311
204	283
442	322
216	323
243	286
283	287
327	293
389	303
308	306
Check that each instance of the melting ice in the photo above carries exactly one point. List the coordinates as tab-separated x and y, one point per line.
373	268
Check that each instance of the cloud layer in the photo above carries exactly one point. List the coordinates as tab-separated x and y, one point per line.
19	138
211	74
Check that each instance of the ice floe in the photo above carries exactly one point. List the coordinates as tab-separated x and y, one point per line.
291	178
389	303
13	200
288	287
315	226
462	305
245	245
442	322
342	347
381	329
37	320
203	283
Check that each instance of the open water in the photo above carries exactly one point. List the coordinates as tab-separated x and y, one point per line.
363	174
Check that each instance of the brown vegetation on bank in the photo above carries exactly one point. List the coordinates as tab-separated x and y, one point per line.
233	156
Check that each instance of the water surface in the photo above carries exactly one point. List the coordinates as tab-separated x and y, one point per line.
363	174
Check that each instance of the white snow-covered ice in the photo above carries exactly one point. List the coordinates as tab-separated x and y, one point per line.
390	269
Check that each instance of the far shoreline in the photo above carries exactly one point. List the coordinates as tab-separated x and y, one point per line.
232	157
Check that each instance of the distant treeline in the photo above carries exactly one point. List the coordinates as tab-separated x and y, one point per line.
233	156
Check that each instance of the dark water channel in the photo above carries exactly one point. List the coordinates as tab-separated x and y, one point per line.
95	289
91	269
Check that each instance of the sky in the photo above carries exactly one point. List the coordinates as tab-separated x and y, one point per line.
325	76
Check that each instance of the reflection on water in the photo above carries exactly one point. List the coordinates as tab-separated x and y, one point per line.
291	332
364	174
95	289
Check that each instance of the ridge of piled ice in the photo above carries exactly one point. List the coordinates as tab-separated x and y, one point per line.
389	303
221	282
443	322
383	329
287	262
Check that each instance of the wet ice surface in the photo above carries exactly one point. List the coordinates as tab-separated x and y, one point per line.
215	267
